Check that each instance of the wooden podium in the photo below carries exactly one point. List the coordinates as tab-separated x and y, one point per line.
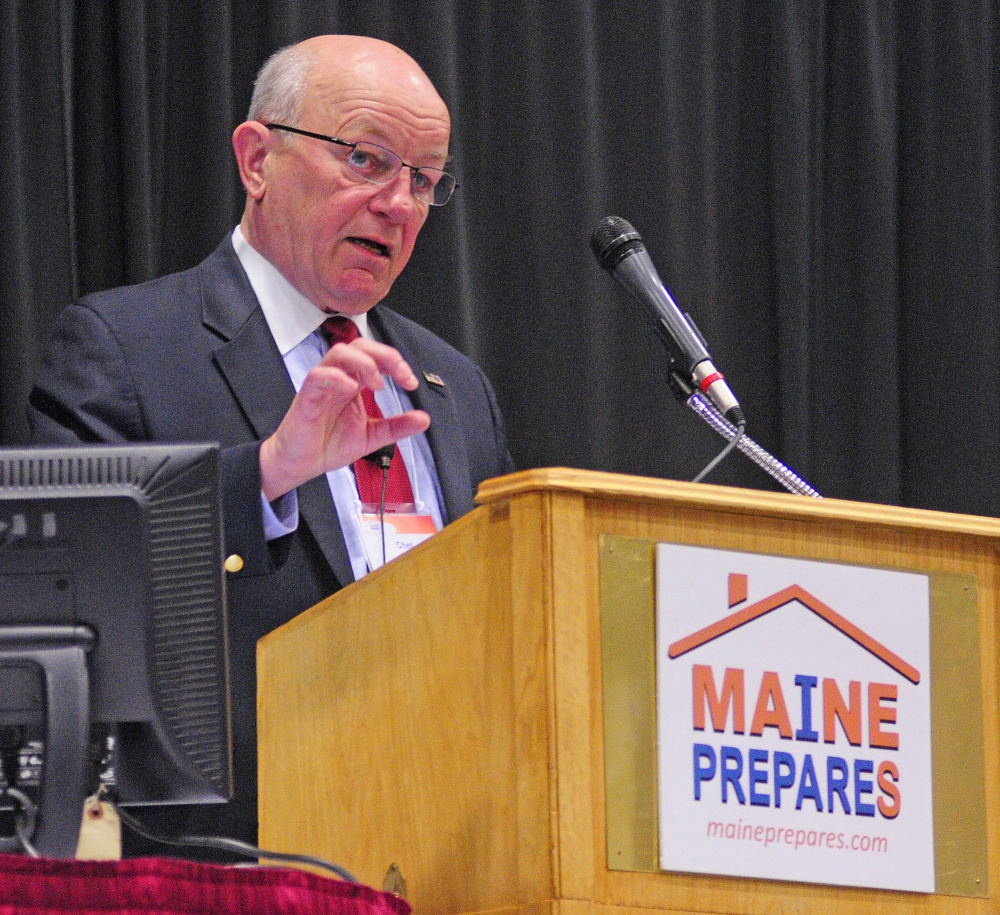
446	714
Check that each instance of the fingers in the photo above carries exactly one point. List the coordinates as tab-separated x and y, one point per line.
393	428
327	426
326	388
367	361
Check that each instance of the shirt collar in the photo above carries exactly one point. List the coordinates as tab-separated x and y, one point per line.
290	316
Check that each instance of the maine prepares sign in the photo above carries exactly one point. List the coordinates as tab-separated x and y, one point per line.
793	716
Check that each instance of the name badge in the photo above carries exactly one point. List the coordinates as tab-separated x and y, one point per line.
397	531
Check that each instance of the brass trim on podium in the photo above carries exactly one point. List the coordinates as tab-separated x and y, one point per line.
628	649
627	594
957	733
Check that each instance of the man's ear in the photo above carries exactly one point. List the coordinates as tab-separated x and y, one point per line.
250	146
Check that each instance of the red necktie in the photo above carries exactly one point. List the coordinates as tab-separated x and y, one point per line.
367	472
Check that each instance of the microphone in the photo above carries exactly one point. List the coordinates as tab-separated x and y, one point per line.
620	250
382	456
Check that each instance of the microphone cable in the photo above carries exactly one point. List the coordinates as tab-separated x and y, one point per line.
383	457
232	846
721	456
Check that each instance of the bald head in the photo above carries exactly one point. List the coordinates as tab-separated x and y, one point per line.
332	66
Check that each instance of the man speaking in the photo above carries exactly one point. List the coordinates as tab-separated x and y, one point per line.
275	347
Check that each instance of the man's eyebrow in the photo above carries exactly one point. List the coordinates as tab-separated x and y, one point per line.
373	133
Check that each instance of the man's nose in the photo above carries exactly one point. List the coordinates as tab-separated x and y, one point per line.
397	196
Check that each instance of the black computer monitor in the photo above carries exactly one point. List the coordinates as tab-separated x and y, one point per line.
112	630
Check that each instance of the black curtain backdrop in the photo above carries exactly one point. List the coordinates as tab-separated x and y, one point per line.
816	183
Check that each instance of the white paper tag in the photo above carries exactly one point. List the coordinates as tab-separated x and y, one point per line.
100	832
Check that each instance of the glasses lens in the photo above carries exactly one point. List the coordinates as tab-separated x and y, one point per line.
373	163
380	165
433	186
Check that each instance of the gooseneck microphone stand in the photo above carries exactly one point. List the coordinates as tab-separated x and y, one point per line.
692	398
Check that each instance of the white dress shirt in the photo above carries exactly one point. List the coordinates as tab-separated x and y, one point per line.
294	322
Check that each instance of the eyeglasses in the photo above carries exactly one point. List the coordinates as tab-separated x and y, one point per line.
380	165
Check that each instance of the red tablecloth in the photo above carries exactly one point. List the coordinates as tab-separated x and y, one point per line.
43	886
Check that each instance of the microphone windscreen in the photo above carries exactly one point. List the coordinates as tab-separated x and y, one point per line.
613	239
380	455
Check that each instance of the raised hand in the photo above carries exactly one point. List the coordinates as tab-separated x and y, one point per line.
326	426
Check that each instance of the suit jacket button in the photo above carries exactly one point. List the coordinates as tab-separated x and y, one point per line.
233	563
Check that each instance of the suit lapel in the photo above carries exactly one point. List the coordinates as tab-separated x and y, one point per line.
451	460
253	368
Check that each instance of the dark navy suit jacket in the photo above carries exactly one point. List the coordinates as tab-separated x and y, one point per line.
189	357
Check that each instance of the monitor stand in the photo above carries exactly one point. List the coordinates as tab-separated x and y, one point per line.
61	654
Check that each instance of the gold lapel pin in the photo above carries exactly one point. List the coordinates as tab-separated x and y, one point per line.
435	380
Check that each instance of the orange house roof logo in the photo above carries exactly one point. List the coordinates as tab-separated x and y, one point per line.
793	593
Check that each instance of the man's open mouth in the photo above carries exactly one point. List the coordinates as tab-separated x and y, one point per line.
373	246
